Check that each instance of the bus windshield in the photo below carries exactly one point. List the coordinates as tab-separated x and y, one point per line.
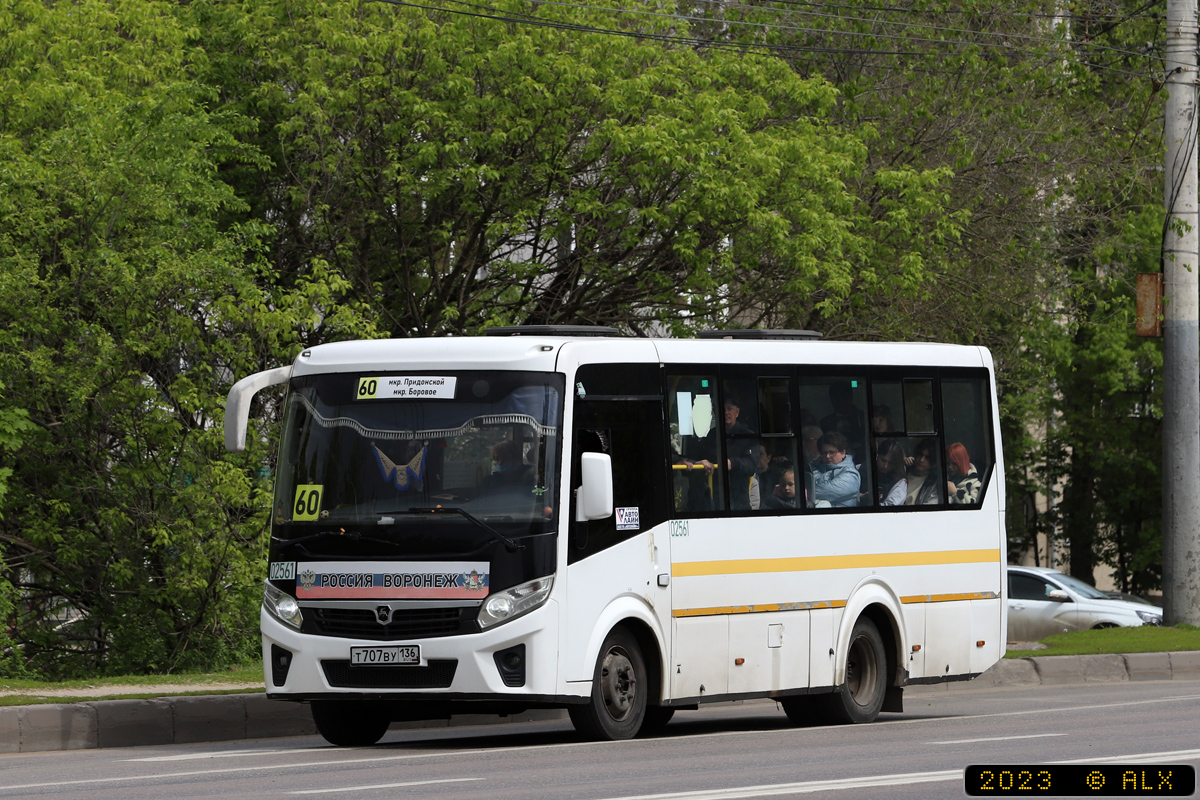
374	449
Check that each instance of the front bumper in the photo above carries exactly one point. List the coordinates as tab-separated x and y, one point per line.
318	663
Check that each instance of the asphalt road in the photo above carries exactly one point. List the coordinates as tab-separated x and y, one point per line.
718	753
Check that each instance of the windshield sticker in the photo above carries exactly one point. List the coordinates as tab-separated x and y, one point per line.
420	580
402	476
406	386
307	504
627	519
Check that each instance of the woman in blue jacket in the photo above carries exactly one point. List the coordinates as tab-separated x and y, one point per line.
835	478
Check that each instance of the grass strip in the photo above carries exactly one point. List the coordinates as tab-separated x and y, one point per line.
37	700
1146	639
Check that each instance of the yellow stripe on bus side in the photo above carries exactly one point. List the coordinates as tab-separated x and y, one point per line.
946	598
688	569
809	605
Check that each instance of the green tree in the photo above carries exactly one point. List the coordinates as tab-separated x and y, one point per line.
466	172
128	302
1046	118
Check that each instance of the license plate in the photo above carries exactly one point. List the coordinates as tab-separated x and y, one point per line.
385	656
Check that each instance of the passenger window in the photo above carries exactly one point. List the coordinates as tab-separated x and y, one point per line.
909	463
697	466
918	408
777	484
740	415
838	474
969	456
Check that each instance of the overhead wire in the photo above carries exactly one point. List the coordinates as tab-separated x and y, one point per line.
1016	14
520	18
922	25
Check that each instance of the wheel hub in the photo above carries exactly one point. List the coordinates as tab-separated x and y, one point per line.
618	684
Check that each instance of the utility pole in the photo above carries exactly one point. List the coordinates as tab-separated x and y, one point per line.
1181	327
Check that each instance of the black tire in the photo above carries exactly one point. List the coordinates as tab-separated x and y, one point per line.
800	710
617	708
349	723
860	698
656	719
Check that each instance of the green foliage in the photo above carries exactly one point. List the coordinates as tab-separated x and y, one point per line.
128	302
464	173
193	192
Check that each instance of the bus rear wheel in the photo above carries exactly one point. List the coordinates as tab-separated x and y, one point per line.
349	723
617	707
860	698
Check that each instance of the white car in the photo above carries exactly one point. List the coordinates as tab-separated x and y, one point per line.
1043	601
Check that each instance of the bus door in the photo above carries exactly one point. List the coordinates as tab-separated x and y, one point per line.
629	552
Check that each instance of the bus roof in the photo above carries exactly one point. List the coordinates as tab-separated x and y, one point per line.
552	353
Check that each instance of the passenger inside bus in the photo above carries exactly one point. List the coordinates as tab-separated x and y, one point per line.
893	478
784	493
964	485
924	476
508	466
835	476
881	419
741	455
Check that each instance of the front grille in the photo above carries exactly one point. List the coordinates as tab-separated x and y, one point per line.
407	623
438	675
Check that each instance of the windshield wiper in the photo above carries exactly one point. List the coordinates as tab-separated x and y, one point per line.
509	544
352	536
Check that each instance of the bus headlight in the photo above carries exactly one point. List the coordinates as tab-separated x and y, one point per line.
281	606
512	603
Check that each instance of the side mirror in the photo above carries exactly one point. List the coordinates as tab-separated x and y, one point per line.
1058	596
594	500
237	405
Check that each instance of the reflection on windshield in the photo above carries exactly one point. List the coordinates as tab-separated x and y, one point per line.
1082	588
490	449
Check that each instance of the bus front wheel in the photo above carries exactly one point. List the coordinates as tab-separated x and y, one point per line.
617	707
860	698
349	723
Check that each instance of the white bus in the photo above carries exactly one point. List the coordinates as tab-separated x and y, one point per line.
555	517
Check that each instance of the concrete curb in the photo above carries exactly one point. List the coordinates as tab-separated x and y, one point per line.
1069	670
179	720
220	718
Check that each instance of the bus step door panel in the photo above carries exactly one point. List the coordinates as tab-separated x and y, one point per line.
948	642
701	657
768	652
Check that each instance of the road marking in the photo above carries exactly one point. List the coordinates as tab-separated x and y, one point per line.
385	786
502	750
805	787
713	734
1148	758
230	754
1140	758
999	738
905	779
1058	710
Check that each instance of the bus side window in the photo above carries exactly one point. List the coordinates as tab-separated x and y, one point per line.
698	467
838	405
776	449
969	456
